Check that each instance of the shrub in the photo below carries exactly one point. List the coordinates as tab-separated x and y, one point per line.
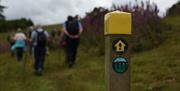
147	26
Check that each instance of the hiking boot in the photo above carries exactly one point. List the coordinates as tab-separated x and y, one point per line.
38	72
71	65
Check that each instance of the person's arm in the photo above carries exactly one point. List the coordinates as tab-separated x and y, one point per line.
32	38
15	37
61	36
65	31
80	29
24	37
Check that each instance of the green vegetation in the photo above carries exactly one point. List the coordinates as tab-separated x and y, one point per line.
11	25
50	27
87	75
1	11
153	70
174	10
147	27
158	69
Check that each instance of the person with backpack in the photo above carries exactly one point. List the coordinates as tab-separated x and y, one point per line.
70	35
39	39
19	45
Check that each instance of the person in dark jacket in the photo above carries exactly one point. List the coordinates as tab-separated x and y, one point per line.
71	32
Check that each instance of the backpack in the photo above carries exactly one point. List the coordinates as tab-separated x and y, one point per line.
72	27
41	39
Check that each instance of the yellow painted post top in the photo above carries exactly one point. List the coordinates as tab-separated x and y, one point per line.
118	22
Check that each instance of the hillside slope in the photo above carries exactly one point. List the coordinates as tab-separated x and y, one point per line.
154	70
159	69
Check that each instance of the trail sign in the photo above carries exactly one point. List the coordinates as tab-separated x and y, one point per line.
120	46
120	65
117	58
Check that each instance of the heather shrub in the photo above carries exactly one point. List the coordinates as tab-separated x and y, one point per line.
147	26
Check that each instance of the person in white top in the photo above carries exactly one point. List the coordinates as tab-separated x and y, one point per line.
19	36
20	43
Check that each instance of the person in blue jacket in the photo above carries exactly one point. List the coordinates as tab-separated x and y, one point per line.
19	45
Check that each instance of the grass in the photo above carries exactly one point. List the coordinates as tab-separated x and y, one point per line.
87	75
50	27
153	70
159	69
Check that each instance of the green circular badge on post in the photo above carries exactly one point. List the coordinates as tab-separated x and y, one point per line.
120	65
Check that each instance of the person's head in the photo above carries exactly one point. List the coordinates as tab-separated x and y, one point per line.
38	26
70	18
19	30
77	17
31	28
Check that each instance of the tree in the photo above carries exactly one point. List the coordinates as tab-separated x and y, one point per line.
1	11
174	10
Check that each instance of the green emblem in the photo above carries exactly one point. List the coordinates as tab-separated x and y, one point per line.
120	65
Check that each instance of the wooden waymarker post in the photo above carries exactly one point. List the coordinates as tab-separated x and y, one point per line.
117	58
